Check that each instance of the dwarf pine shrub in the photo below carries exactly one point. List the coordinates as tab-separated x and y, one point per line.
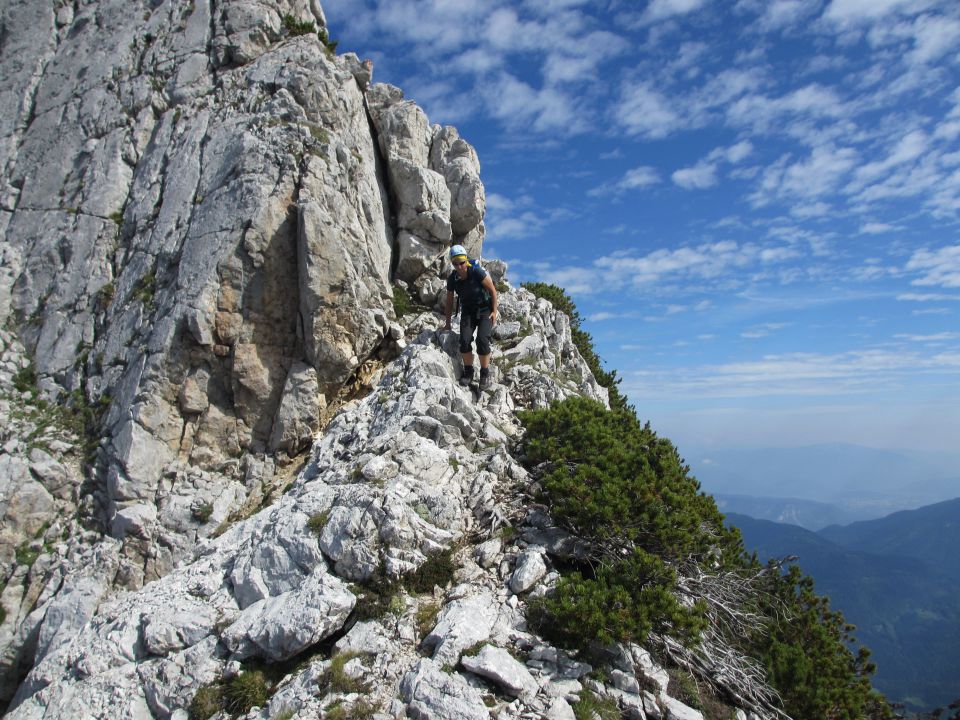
614	483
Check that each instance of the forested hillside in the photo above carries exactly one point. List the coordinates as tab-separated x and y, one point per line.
904	609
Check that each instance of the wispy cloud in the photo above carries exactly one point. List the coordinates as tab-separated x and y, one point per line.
518	218
634	179
700	176
662	9
939	267
848	11
763	330
797	374
643	110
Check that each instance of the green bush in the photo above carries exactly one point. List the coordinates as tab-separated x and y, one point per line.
26	555
360	710
592	707
146	289
810	654
613	482
202	512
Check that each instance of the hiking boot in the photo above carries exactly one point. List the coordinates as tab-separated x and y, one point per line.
467	376
484	378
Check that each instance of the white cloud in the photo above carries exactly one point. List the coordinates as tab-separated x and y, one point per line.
907	149
845	11
639	177
811	178
934	37
736	153
781	14
877	228
701	176
644	111
518	104
928	297
635	179
940	267
934	338
795	374
763	330
662	9
709	265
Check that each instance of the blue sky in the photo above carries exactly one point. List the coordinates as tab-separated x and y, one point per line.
754	203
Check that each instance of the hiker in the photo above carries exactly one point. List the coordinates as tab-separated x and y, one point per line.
478	311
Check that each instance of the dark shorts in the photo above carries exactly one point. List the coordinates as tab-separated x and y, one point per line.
479	321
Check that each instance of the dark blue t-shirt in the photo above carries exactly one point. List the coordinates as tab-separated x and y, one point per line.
473	296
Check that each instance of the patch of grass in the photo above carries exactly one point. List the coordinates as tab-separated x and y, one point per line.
375	597
360	710
336	680
330	45
117	217
319	134
683	687
402	302
296	27
146	289
246	690
202	512
426	617
318	522
437	570
25	379
207	702
26	555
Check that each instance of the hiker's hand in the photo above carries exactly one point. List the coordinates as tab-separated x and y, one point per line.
494	315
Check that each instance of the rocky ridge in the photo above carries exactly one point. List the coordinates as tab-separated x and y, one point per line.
204	209
418	467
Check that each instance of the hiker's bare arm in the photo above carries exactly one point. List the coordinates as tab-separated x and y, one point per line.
494	299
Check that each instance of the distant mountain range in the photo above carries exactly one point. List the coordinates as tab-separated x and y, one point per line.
849	482
807	514
898	580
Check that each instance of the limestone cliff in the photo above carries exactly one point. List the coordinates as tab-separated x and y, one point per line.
213	421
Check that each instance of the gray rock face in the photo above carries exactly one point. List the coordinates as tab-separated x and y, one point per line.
500	666
530	569
435	178
199	236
